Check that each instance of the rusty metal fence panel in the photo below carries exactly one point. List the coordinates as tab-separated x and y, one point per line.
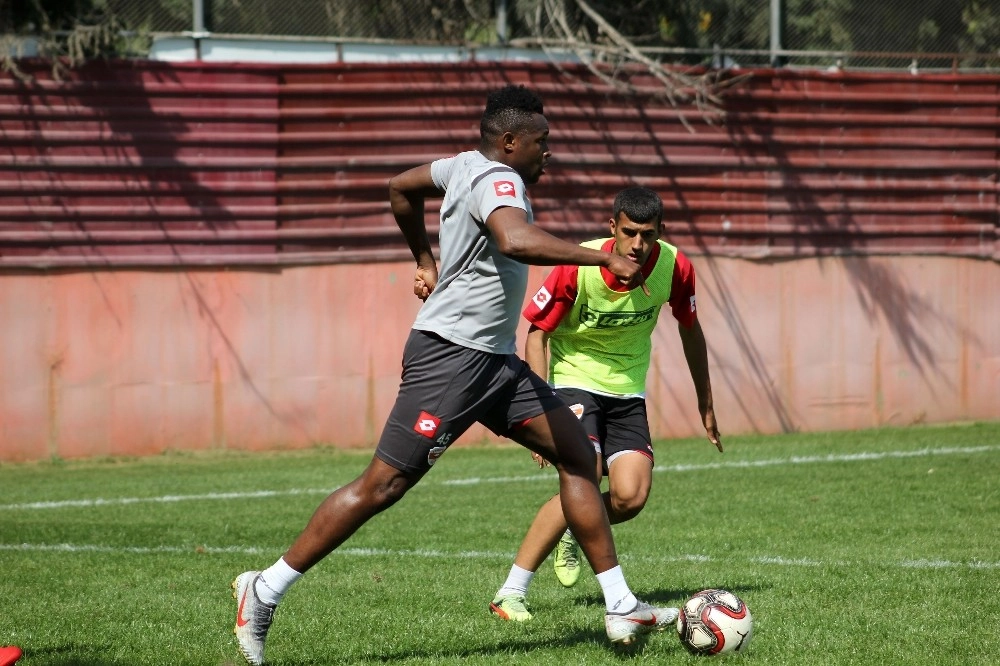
149	164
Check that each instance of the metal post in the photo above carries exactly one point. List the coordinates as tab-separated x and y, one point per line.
198	10
198	23
501	21
777	36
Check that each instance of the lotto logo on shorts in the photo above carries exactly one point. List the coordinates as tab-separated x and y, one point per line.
504	188
427	424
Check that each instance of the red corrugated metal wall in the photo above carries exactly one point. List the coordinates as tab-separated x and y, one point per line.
137	163
147	164
256	192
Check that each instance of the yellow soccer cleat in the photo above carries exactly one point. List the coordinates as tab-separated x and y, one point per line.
567	560
511	607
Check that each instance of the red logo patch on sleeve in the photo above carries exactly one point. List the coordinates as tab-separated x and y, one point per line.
504	188
541	298
427	424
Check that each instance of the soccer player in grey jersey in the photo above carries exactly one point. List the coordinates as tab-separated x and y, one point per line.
460	365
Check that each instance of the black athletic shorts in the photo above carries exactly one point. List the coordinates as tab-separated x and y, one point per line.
445	389
614	425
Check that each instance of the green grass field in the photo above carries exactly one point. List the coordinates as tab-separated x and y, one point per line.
874	547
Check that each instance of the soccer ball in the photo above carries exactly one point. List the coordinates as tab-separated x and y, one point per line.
714	622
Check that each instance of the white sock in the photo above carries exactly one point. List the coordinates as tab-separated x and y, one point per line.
517	582
618	598
275	581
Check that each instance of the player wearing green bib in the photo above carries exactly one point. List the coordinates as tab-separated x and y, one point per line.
603	343
592	337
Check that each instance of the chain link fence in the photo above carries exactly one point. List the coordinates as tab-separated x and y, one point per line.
857	34
439	21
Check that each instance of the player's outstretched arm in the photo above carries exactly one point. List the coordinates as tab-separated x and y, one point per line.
530	245
696	354
407	193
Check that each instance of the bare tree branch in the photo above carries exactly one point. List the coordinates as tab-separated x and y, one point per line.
609	55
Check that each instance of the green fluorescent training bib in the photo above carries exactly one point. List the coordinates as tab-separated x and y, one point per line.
605	341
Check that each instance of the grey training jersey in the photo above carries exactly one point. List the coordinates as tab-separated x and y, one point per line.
478	297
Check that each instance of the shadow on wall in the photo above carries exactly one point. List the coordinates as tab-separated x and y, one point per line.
913	321
879	290
166	159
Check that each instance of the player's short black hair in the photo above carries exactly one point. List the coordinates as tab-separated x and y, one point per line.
508	109
641	204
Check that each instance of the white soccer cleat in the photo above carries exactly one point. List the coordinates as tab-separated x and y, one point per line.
253	618
623	628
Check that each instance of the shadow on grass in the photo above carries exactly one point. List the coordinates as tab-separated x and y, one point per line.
518	651
672	597
72	654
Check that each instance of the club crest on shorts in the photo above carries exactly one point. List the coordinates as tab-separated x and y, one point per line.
577	409
427	424
435	453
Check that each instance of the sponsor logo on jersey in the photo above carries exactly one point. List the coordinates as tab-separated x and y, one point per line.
596	319
541	298
435	453
504	188
427	424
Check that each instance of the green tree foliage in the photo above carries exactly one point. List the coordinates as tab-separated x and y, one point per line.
34	16
911	26
153	15
982	21
67	32
438	21
821	25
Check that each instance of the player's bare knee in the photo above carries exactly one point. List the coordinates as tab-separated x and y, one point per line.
381	490
627	507
392	491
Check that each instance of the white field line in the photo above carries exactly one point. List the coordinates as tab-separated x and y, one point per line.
164	499
474	555
544	476
770	462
